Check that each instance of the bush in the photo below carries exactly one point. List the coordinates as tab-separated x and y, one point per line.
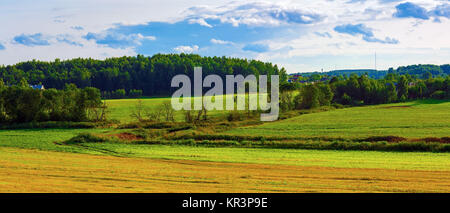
118	94
438	95
134	93
235	116
85	138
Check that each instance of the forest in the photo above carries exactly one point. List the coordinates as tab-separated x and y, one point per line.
131	76
416	71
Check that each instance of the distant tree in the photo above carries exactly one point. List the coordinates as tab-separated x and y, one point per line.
309	97
138	111
287	101
353	87
402	88
23	83
334	79
118	94
427	75
325	94
168	111
134	93
391	93
346	100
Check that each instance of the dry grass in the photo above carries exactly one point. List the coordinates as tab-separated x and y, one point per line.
25	170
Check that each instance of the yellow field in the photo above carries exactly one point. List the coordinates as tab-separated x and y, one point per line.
24	170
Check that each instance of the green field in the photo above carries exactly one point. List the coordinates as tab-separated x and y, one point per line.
417	119
38	160
121	109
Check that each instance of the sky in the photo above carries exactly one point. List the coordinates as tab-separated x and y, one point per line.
301	35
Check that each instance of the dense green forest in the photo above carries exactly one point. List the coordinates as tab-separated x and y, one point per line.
415	71
149	76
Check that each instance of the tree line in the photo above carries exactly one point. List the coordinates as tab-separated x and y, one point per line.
150	76
420	71
22	104
362	90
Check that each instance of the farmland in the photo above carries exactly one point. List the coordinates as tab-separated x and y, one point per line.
419	119
39	160
172	171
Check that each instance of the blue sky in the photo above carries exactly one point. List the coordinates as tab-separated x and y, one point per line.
301	36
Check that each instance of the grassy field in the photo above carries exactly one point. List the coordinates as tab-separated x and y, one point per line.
417	119
115	167
43	171
43	139
51	140
121	109
38	160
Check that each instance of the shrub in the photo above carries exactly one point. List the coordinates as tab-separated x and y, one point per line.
438	94
134	93
85	138
235	116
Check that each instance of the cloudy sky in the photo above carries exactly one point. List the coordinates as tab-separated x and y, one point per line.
299	35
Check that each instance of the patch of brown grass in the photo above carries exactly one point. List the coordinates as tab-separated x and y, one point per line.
433	139
395	107
125	136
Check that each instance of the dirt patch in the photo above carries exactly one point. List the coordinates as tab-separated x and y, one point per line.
127	136
433	139
385	138
394	107
401	139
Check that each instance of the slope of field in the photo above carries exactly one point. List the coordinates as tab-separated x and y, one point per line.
417	119
44	139
43	171
121	109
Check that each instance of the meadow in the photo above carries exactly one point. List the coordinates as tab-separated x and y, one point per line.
121	109
418	119
40	160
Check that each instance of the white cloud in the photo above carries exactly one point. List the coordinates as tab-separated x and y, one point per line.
186	49
260	13
217	41
118	40
200	21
